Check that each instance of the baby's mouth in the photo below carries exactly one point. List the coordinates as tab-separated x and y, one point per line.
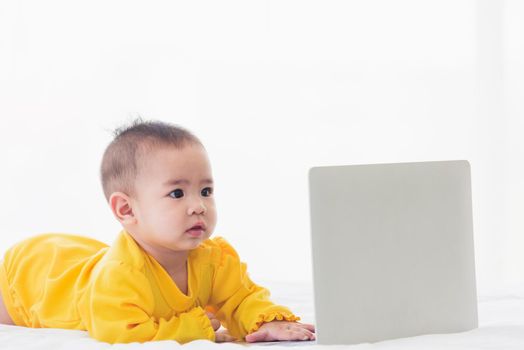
196	227
196	230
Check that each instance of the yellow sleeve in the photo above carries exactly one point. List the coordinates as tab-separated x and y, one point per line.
118	308
241	305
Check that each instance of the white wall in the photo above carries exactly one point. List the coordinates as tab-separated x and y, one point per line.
272	88
513	108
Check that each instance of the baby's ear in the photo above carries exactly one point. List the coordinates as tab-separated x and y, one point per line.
120	205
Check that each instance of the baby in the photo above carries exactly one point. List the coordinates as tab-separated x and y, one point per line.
163	277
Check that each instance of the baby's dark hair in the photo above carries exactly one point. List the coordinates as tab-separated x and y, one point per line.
122	157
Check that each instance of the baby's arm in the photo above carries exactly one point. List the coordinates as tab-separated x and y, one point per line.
239	303
118	307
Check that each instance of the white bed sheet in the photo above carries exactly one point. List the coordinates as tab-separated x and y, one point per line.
501	326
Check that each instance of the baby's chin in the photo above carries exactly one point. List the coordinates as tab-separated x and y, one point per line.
186	242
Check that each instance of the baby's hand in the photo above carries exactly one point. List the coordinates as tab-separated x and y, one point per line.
223	336
282	330
220	336
214	321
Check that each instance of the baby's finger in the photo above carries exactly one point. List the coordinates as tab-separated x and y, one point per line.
215	323
307	326
311	335
294	334
303	334
223	337
260	335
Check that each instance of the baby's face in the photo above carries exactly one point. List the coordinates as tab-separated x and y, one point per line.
174	192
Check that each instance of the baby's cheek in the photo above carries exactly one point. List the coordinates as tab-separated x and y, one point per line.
211	217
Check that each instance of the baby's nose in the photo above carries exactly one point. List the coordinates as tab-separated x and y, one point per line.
198	208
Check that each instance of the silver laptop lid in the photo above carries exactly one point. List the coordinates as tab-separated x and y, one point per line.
392	250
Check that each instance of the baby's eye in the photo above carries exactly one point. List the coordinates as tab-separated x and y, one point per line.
178	193
208	190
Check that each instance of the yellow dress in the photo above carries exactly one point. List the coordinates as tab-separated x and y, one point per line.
120	294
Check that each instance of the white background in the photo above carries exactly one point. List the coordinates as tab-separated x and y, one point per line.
271	88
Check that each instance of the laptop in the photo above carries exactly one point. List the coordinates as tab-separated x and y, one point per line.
392	249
